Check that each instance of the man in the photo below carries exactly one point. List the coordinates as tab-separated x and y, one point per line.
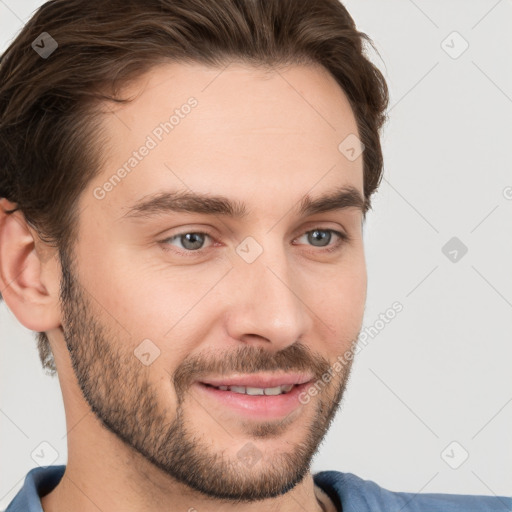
184	186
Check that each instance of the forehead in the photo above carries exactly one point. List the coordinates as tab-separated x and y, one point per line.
245	132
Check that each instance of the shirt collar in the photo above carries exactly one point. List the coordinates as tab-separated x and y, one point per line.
38	482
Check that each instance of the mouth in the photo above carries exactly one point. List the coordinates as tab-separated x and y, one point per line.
257	402
253	391
259	381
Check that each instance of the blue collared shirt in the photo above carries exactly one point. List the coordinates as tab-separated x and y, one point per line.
347	491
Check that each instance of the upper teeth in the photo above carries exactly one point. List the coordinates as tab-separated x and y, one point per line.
257	391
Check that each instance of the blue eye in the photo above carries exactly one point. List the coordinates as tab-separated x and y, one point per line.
191	241
323	236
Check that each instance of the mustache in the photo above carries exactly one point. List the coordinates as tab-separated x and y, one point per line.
246	359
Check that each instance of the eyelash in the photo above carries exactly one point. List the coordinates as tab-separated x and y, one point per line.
343	239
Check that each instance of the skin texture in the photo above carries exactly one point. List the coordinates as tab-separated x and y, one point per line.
141	437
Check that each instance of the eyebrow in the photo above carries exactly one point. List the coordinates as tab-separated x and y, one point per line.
189	202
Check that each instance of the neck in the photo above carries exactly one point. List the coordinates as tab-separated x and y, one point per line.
84	490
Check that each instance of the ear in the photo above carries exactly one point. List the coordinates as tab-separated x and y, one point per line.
29	272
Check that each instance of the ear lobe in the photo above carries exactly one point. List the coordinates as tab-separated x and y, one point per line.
32	302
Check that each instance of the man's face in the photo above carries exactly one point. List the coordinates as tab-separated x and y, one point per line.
158	302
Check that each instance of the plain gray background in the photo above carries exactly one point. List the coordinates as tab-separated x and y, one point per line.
432	386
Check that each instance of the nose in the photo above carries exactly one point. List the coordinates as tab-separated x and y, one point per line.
268	306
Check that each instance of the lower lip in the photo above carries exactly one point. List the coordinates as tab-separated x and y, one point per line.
257	406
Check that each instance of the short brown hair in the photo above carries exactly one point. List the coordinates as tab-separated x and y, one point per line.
49	115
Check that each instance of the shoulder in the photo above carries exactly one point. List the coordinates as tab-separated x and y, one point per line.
358	495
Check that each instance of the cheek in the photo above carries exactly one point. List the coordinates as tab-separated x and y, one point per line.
339	300
173	309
